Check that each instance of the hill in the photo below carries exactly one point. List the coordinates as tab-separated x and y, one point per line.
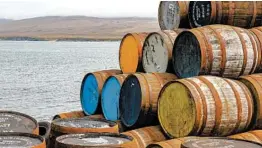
74	28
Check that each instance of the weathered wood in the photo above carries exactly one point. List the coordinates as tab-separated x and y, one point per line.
173	15
218	50
246	14
206	105
157	51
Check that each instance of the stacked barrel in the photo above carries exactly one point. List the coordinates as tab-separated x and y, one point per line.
177	87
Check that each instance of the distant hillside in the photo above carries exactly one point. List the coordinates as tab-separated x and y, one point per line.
75	28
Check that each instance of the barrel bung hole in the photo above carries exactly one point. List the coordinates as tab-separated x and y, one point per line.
187	55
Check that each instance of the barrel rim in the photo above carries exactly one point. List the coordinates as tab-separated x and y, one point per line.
190	19
82	92
120	106
174	54
222	138
158	103
23	134
103	98
58	139
22	114
54	124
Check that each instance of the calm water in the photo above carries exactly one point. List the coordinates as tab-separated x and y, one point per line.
42	79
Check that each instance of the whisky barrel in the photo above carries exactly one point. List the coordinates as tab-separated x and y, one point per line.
157	51
95	140
257	32
254	83
76	114
17	122
218	50
44	131
173	15
61	127
174	143
146	136
206	106
130	52
110	97
244	14
218	143
73	114
21	140
255	136
91	88
139	96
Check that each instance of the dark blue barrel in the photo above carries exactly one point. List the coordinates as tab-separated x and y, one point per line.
139	98
110	97
91	88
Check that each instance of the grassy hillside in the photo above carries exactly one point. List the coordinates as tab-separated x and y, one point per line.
75	28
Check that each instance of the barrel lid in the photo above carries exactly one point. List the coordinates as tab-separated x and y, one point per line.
130	101
16	122
83	123
19	140
218	143
169	15
155	54
94	139
89	94
110	99
200	13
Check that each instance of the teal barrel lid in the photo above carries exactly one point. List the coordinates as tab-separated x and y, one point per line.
110	99
89	94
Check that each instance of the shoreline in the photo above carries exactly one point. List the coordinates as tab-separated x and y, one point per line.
58	39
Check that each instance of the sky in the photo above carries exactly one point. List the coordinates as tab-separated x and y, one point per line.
21	9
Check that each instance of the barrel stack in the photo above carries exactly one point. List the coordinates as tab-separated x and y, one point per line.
197	82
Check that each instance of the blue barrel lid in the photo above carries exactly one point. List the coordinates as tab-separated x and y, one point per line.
130	101
110	99
89	94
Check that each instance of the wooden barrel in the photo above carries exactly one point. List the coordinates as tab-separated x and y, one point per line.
219	143
218	50
146	136
95	140
130	52
110	97
21	140
17	122
205	105
254	83
255	136
244	14
73	114
257	32
91	89
81	125
157	51
173	15
44	131
174	143
139	96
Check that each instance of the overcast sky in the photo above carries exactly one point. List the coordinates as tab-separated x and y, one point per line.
20	9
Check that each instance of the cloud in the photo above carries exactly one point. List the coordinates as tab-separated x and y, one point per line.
19	9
